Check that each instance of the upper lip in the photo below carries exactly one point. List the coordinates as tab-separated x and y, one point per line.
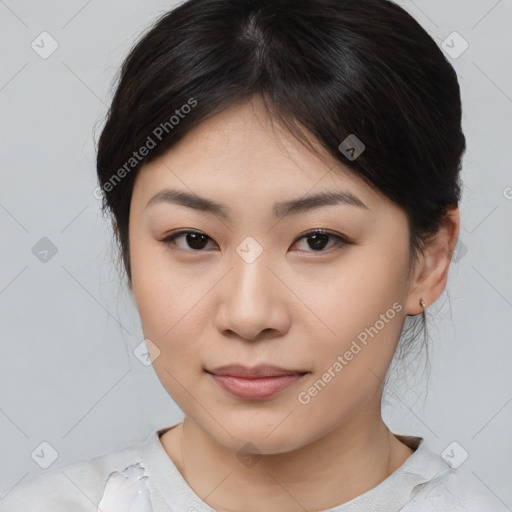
236	370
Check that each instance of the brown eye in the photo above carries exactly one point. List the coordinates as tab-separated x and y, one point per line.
317	240
194	240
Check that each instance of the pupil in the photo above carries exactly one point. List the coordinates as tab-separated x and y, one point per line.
318	241
192	240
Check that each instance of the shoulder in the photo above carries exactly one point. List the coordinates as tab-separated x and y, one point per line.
432	483
76	487
454	491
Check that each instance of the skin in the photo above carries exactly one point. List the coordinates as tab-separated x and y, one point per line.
292	307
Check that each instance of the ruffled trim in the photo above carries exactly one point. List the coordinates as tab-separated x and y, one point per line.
126	491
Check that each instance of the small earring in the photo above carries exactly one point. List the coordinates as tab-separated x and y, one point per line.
422	303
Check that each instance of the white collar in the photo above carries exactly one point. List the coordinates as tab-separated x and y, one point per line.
391	494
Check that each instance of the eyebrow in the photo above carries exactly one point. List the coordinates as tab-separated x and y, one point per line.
281	209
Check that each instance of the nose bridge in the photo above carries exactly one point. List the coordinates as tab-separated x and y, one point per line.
252	287
250	297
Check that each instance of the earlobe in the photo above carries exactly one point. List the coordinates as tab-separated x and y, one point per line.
432	274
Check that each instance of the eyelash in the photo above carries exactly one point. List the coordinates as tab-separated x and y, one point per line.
342	241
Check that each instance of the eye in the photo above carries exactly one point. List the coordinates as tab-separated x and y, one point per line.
196	240
318	239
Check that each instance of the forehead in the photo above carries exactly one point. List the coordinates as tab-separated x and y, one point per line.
242	151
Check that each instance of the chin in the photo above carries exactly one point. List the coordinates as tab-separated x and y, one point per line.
260	433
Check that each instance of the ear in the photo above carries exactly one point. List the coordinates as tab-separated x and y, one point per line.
431	271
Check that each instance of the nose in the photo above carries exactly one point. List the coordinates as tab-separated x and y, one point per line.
253	302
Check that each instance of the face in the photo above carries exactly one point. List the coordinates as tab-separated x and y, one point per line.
256	285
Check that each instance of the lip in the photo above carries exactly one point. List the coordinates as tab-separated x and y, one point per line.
262	370
255	383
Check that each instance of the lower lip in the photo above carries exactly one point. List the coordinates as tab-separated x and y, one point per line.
254	389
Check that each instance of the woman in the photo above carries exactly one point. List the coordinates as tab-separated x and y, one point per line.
283	179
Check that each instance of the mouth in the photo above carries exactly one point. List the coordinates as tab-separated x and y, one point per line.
255	383
237	370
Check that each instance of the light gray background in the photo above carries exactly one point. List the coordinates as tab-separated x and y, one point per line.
68	328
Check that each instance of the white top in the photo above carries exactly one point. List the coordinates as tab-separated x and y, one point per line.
424	483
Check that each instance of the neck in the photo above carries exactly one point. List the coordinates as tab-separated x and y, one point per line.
347	462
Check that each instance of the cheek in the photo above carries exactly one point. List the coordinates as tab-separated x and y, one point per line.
354	292
167	308
154	295
170	302
351	364
358	310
